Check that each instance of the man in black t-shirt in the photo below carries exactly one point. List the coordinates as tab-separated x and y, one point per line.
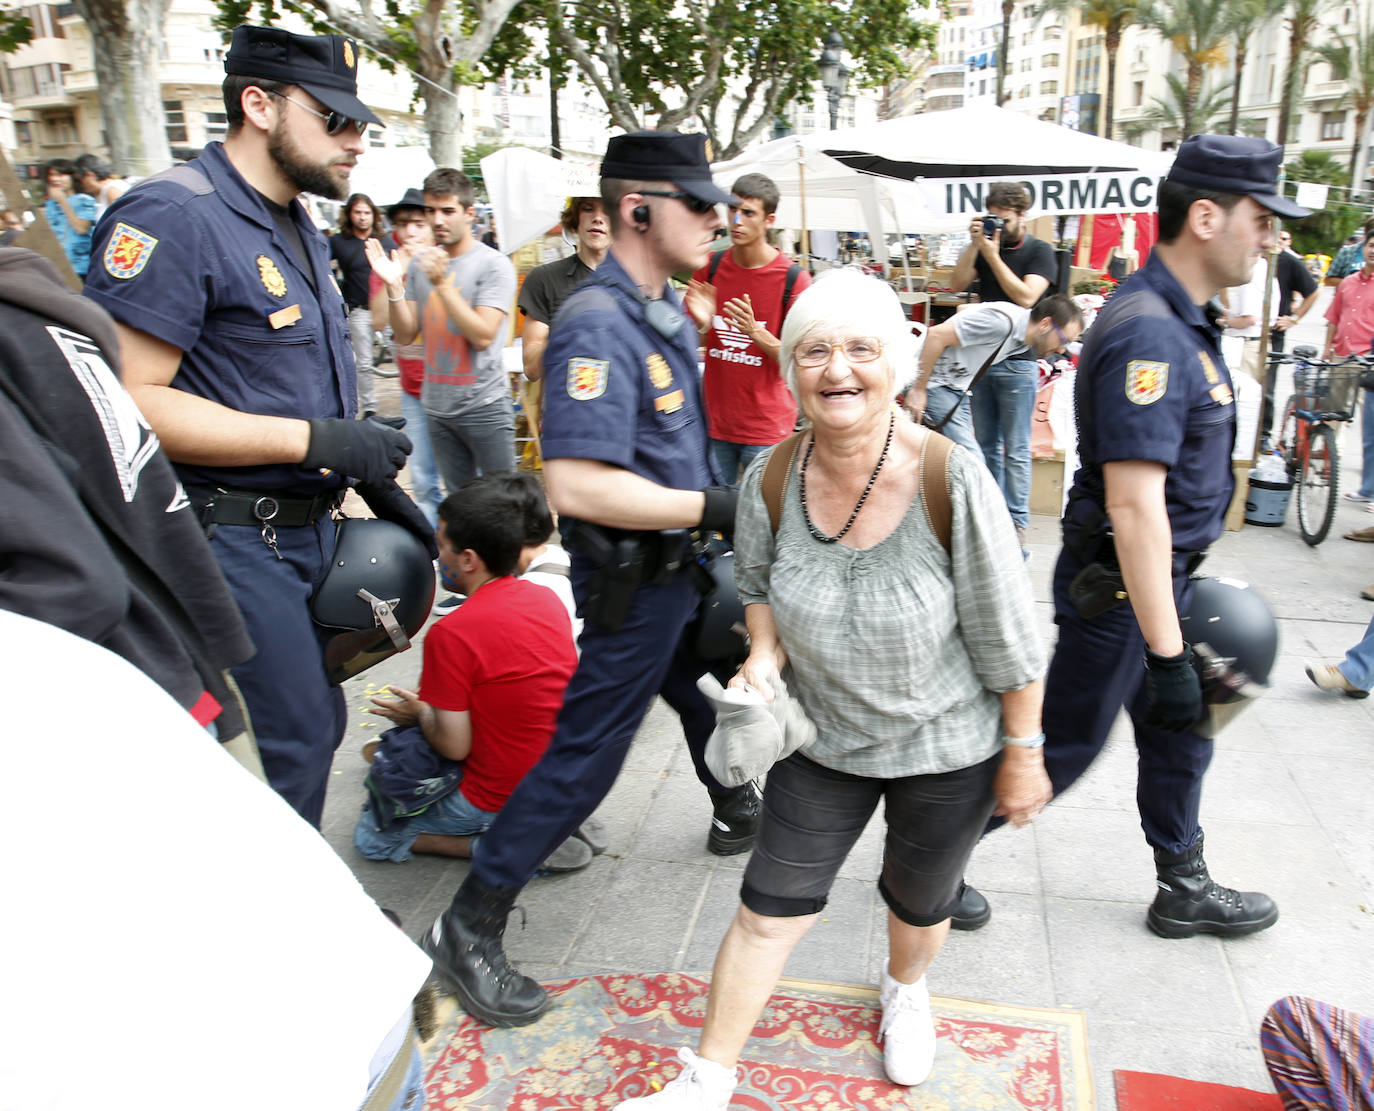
1293	277
546	287
1010	265
360	222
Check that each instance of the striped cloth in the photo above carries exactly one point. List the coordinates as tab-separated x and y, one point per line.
1320	1057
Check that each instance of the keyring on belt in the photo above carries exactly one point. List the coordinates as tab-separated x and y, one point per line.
264	509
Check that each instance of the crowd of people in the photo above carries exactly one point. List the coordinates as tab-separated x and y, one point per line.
207	404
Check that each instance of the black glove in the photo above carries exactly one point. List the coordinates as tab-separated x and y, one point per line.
364	449
1173	695
719	512
390	503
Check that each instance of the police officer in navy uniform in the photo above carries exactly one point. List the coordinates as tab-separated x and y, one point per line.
1156	425
235	346
626	460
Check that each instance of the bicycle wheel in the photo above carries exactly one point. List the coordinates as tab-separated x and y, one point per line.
1317	485
1288	431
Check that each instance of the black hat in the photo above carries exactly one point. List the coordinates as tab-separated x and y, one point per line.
1235	164
664	156
413	199
325	66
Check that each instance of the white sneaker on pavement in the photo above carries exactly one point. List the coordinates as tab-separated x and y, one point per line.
907	1031
702	1085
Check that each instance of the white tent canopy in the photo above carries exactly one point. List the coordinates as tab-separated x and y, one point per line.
528	191
386	175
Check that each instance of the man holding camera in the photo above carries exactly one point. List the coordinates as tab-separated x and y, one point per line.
1010	265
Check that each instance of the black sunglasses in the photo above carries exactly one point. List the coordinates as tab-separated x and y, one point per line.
335	123
696	204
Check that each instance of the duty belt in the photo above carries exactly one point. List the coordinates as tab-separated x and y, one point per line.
217	506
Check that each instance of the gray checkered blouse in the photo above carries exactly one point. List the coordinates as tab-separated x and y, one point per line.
897	651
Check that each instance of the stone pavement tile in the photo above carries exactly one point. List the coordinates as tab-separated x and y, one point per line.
642	915
714	918
1246	786
1155	1045
1006	861
1329	640
675	826
623	810
1094	855
1317	726
1106	962
659	743
1109	782
1338	791
559	911
1007	961
1298	868
1327	961
405	888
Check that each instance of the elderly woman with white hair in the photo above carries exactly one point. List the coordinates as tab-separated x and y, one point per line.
920	667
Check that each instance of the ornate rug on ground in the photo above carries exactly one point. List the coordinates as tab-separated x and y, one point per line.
611	1037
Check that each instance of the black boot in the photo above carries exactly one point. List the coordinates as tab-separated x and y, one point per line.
734	820
973	910
1190	902
465	945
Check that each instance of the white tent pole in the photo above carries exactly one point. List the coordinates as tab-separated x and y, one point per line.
801	187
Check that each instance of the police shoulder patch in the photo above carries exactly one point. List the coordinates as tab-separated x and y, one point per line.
128	250
587	378
1146	381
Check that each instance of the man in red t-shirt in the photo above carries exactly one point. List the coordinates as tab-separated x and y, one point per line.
492	682
739	300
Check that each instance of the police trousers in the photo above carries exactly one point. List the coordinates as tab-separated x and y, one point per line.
298	715
616	679
1097	669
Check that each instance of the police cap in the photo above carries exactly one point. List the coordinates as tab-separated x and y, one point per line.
1234	164
664	156
325	66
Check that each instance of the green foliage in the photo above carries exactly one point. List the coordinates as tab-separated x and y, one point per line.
1323	232
1208	114
15	29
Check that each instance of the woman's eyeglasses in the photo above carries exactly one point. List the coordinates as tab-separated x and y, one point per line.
696	204
857	349
335	123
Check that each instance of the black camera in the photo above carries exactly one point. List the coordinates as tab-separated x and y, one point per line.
992	225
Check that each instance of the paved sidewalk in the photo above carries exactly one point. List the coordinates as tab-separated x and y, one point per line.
1286	812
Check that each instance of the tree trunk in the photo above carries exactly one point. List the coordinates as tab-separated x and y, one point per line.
1112	43
1002	59
1241	52
126	39
1194	89
1290	75
1359	156
443	120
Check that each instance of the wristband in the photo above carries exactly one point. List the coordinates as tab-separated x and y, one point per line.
1037	741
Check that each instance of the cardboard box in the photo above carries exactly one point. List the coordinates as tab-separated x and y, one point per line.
1235	513
1047	484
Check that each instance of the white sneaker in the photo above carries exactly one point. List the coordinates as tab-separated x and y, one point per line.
907	1031
702	1085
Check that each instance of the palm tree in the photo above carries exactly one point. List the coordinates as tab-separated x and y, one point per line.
1005	53
1247	17
1112	17
1302	25
1352	60
1198	30
1184	113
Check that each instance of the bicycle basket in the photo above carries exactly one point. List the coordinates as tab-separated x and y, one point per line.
1327	392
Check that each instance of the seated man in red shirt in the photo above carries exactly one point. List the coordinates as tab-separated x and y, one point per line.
491	685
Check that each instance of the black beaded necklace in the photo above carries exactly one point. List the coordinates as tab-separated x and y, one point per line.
801	487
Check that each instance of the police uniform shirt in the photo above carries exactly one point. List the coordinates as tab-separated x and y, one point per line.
1152	386
619	392
196	260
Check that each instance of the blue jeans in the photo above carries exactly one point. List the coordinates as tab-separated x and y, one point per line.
452	816
1367	440
959	428
474	443
1003	403
732	460
1358	667
424	472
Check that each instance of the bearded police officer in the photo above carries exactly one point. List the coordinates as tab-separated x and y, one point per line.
625	451
1156	423
235	346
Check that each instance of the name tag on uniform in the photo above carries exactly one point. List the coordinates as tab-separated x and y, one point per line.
1221	394
284	318
669	402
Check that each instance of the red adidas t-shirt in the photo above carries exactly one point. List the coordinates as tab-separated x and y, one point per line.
505	656
746	400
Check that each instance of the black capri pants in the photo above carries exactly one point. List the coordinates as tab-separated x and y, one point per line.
812	815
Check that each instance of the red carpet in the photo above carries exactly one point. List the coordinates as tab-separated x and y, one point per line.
611	1037
1149	1091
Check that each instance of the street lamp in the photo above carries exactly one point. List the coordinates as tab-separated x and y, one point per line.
834	74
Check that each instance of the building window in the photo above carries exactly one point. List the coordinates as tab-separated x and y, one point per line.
22	133
374	137
60	129
1026	64
1049	88
176	121
1137	94
1023	92
1333	125
1049	61
216	126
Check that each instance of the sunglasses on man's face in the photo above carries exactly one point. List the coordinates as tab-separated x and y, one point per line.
335	123
695	204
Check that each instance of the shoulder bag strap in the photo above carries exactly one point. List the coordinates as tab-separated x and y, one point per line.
935	495
775	472
982	370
